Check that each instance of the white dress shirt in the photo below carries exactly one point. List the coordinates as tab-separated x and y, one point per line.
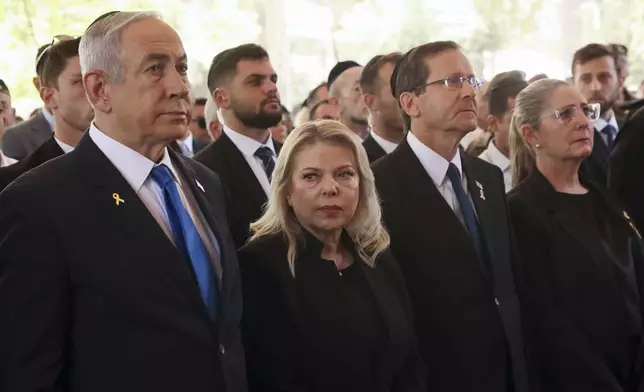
248	146
494	156
6	161
186	145
600	124
136	170
436	166
63	146
386	145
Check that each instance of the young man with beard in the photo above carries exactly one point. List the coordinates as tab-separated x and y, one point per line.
242	82
61	89
386	124
594	70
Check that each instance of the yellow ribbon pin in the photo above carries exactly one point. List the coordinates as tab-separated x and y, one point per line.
118	199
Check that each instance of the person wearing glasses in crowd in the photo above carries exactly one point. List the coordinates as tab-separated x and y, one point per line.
581	257
325	306
22	139
448	219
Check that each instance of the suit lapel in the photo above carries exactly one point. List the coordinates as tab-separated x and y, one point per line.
114	197
374	150
240	167
600	151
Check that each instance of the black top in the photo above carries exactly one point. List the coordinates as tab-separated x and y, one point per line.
582	264
324	330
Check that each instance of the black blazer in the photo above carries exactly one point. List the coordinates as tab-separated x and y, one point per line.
46	152
284	350
105	302
373	149
626	163
468	341
245	195
571	272
198	145
595	167
22	139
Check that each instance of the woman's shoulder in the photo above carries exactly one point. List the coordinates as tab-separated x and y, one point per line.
265	247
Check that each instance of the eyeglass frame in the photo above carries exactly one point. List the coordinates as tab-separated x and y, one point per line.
558	113
57	39
476	83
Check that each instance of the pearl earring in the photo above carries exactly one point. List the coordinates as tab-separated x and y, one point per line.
537	145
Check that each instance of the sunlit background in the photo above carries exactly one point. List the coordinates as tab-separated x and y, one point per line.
305	38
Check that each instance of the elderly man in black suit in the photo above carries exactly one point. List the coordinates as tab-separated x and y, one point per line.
132	283
243	84
448	219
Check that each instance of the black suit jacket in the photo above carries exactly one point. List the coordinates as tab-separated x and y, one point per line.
626	164
284	350
198	145
244	193
48	151
595	167
581	307
95	297
24	138
469	330
373	149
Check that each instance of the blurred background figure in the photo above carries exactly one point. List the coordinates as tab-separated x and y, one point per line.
4	160
211	114
344	85
581	256
324	110
8	111
481	132
284	127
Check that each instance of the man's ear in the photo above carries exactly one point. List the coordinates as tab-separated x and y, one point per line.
48	97
370	101
409	103
220	95
96	86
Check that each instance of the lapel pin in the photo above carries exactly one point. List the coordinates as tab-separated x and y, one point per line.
482	195
478	184
118	199
200	186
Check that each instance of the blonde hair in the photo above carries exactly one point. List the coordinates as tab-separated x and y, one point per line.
529	106
365	229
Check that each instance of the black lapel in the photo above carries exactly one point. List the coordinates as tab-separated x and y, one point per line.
600	151
278	146
373	149
131	217
239	167
199	190
421	192
46	152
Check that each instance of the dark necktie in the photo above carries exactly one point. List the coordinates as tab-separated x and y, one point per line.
187	239
609	131
265	154
466	207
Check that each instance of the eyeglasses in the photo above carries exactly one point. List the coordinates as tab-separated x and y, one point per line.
55	41
590	110
456	82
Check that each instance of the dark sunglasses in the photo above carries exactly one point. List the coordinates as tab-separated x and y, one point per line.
201	121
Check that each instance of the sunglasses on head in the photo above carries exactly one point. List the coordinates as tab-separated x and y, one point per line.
55	41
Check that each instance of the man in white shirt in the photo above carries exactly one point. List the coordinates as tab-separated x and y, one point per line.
500	97
594	70
344	88
386	125
61	89
243	84
118	271
4	160
448	221
482	111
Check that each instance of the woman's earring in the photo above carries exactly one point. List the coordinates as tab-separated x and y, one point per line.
537	145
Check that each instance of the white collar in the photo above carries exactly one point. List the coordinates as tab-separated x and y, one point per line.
48	116
435	165
386	145
496	157
5	160
133	166
246	145
187	142
600	123
63	146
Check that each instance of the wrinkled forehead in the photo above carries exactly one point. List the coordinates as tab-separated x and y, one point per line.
151	36
564	96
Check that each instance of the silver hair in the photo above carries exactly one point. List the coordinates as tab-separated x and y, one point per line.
100	45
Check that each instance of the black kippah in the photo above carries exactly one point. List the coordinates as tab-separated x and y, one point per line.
338	69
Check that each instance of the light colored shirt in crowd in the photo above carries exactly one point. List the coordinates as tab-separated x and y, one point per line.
470	137
6	161
64	146
436	166
248	146
494	156
48	116
136	170
186	145
600	124
386	145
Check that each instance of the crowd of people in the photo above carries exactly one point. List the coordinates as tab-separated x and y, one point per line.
408	227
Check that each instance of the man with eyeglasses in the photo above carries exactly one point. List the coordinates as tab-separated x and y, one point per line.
448	219
24	138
